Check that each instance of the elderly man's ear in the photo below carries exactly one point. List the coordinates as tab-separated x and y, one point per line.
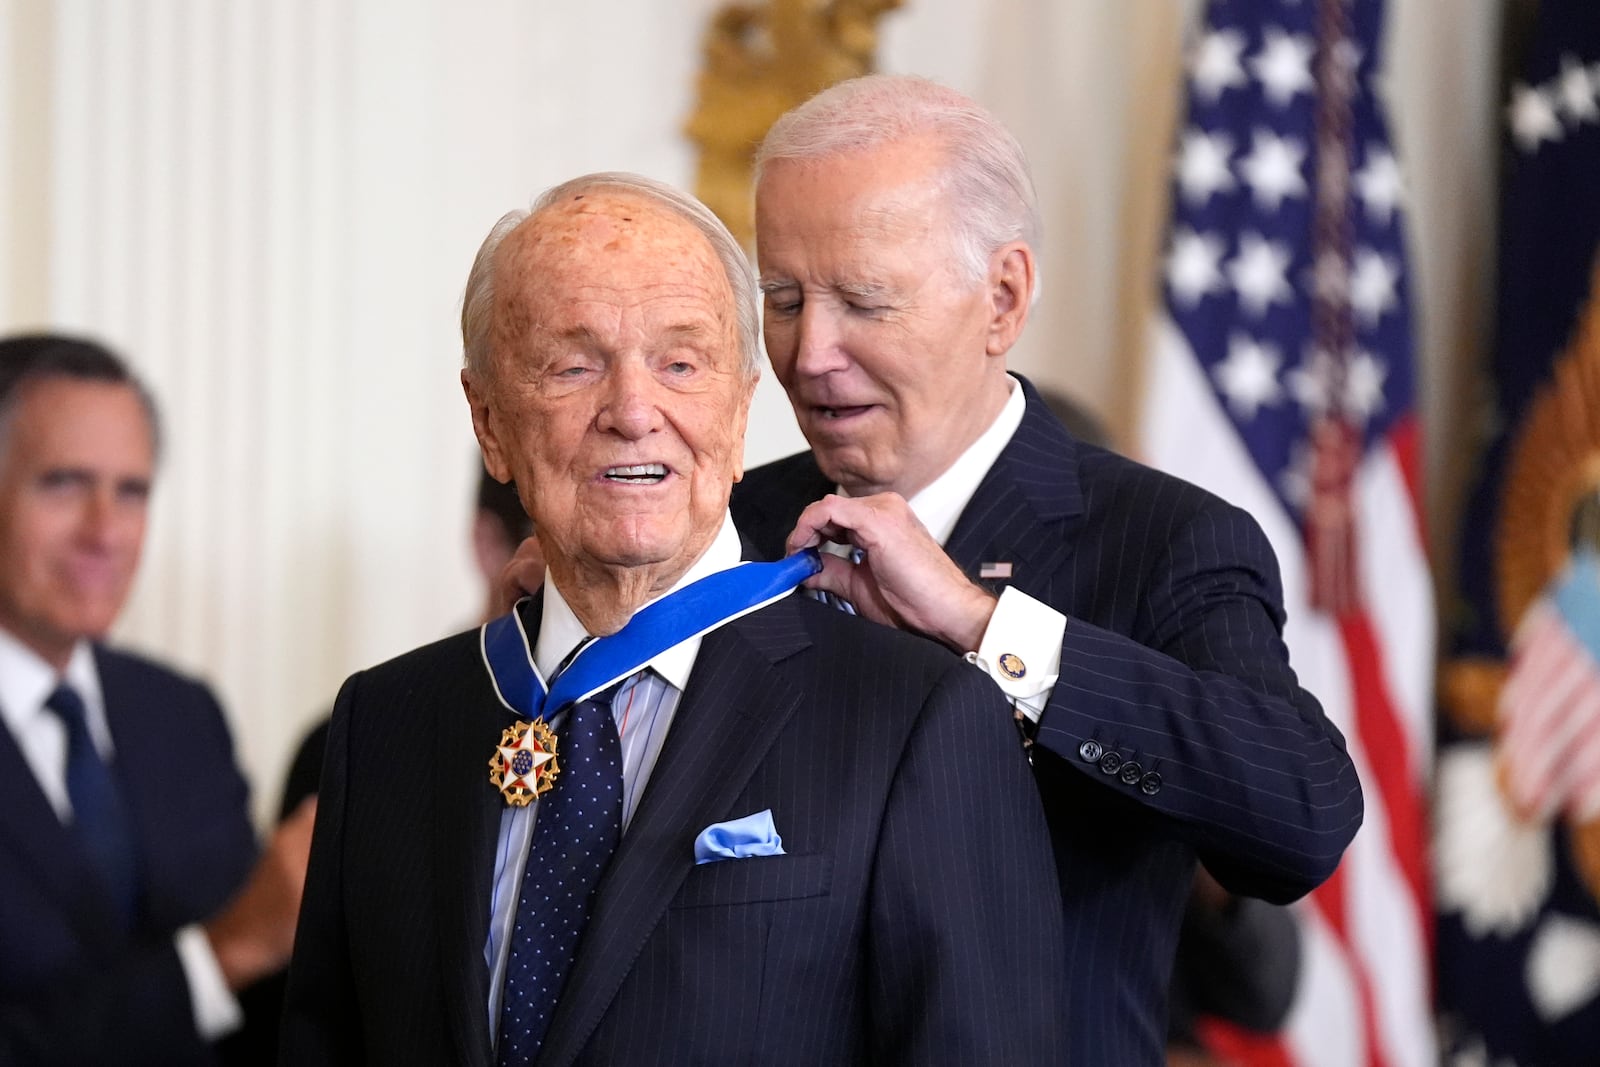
1011	274
494	458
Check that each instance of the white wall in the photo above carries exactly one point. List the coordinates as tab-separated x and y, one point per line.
271	207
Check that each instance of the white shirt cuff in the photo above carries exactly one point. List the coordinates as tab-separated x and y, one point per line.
1021	650
216	1009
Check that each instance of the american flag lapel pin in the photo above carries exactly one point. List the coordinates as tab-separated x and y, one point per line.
994	570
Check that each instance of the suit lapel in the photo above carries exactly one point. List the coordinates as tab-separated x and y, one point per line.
31	830
466	828
53	854
735	705
1023	508
152	745
143	758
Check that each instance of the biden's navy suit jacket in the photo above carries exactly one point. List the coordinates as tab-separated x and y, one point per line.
1177	728
914	917
74	987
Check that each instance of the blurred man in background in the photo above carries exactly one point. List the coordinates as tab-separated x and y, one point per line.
132	901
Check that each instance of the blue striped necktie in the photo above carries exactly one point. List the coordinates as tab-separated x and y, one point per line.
834	600
99	816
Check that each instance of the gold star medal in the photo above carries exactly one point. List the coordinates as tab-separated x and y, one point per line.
524	763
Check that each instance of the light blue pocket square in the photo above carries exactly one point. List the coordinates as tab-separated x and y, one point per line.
737	839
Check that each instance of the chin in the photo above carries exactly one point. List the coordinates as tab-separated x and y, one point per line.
634	558
845	468
94	628
640	550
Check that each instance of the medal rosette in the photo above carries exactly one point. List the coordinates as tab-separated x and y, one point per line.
524	765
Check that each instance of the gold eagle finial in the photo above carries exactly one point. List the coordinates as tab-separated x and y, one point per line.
761	59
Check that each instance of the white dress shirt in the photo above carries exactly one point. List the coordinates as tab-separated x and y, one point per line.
643	710
26	682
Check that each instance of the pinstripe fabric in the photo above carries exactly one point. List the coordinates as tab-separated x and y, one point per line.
1173	662
888	933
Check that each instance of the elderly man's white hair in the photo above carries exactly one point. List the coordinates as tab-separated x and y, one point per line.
477	303
985	174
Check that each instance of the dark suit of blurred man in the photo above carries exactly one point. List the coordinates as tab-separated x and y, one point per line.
131	902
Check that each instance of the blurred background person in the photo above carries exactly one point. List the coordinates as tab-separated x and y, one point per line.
1238	961
132	901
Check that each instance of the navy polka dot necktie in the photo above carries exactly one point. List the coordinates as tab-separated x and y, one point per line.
99	816
578	824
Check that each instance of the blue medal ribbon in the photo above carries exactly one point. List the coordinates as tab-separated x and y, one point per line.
696	609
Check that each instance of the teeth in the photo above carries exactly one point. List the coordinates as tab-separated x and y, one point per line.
638	470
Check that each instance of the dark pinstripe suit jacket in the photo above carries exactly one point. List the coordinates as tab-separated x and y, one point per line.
896	929
75	989
1177	727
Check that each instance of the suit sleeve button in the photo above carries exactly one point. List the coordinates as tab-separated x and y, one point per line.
1089	751
1130	773
1110	763
1150	784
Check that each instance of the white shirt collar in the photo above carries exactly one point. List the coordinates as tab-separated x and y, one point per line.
26	682
560	630
942	501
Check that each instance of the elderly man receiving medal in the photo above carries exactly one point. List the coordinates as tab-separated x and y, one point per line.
718	823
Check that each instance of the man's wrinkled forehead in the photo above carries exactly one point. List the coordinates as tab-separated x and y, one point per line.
597	237
588	230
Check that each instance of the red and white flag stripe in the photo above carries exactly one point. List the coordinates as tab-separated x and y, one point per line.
1365	992
1549	750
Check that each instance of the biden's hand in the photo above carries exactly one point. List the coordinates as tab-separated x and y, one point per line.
904	577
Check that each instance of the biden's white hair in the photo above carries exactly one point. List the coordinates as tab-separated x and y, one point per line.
985	173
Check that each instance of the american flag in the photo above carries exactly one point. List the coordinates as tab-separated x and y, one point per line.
1281	378
1519	760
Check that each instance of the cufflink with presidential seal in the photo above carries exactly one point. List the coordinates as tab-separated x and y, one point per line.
524	763
1011	665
